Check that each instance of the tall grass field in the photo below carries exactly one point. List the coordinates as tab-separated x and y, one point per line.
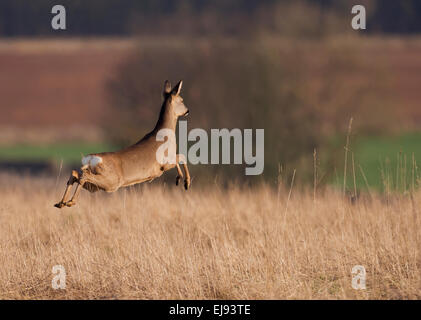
158	241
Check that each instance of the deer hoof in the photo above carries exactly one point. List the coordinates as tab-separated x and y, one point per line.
60	205
186	184
177	180
70	203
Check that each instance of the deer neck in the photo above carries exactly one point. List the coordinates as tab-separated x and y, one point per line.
167	119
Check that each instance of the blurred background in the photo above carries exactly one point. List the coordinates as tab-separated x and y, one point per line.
295	68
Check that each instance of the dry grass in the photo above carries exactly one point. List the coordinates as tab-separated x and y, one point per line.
158	242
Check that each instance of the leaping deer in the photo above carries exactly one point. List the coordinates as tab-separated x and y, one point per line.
110	171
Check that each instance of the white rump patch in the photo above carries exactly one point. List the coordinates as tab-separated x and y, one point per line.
91	161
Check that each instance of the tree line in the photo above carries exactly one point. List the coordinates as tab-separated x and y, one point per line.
125	17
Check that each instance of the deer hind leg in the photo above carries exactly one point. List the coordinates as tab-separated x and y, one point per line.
187	180
84	178
74	177
72	201
95	181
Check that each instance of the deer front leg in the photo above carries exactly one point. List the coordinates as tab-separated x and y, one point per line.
182	159
179	174
74	177
187	180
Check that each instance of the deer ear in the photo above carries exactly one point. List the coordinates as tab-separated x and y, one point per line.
176	90
167	87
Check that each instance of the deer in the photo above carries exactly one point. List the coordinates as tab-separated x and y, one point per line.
109	171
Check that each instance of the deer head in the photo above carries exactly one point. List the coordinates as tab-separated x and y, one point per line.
173	99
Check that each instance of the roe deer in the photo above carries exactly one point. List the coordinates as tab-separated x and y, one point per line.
109	171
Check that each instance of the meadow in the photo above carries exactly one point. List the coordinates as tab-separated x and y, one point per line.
157	241
385	163
376	157
66	152
217	240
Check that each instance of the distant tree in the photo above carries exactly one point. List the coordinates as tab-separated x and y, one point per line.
122	17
